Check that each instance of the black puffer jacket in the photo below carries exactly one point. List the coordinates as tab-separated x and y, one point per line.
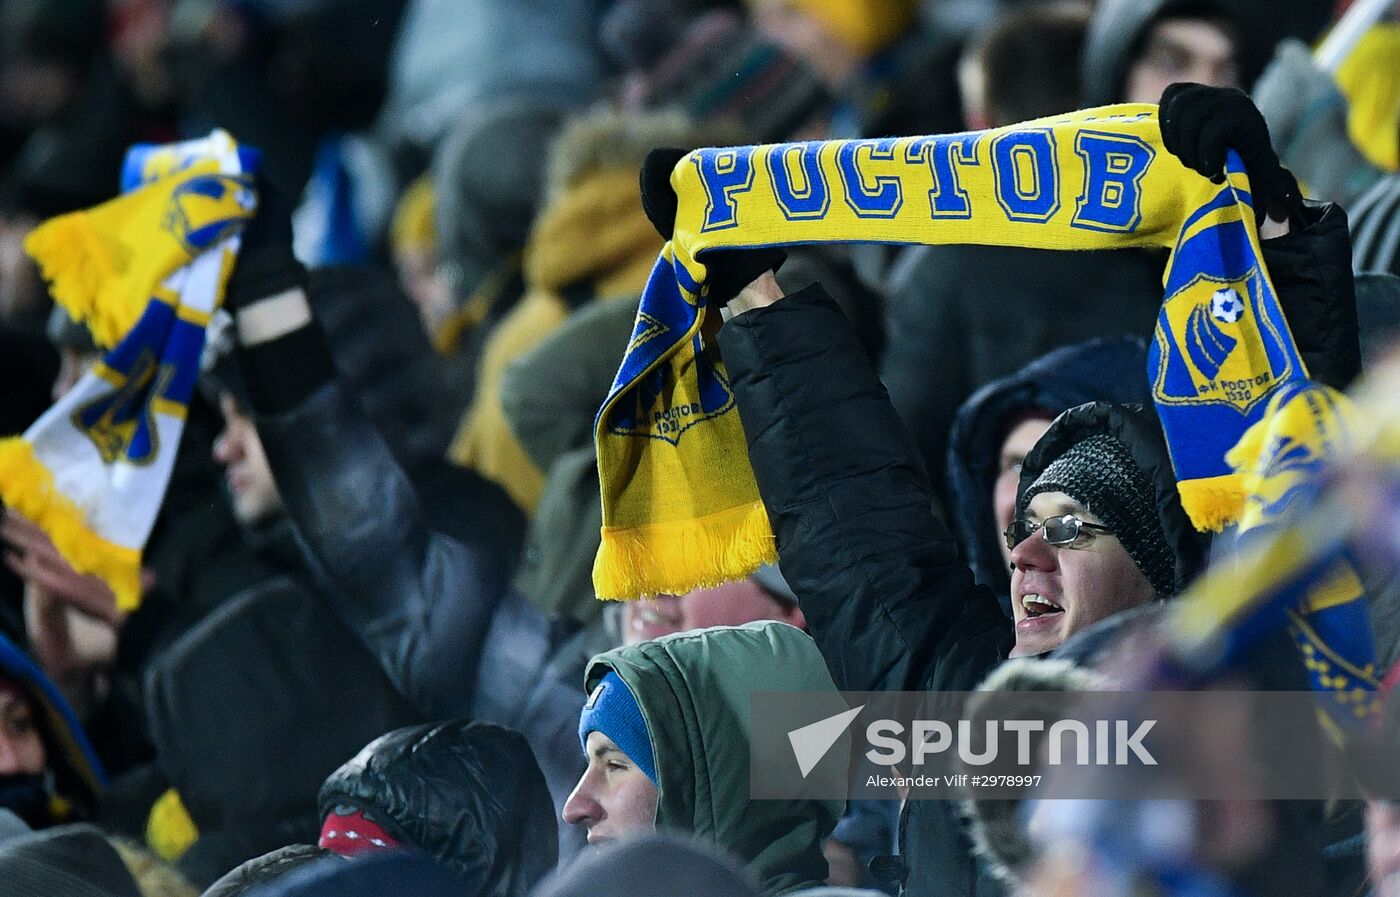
468	794
1110	369
887	597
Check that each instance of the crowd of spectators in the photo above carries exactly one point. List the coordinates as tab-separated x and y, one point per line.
368	628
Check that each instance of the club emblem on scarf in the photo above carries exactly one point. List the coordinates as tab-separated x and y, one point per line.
119	423
654	412
207	209
1212	356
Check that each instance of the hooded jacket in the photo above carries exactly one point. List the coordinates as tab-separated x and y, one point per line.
693	689
467	794
1106	369
78	775
1117	30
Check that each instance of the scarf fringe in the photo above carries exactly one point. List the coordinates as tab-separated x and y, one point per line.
679	557
79	279
27	486
1212	503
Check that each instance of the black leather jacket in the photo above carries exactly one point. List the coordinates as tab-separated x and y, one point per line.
437	610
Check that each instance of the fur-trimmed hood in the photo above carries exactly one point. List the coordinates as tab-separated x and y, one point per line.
996	827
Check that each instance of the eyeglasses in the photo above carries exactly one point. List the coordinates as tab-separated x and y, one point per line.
1059	531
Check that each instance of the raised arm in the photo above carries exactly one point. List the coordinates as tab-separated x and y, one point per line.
887	596
421	601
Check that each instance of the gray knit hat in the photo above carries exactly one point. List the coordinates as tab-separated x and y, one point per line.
1100	474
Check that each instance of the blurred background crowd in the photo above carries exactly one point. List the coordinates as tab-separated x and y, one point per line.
462	184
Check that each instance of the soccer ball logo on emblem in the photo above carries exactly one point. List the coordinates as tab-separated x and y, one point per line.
1226	306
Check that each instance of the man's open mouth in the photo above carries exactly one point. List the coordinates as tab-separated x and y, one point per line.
1037	605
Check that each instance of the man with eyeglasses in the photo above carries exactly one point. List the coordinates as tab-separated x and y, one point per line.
1099	528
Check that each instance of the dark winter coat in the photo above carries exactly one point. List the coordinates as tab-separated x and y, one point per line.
198	556
437	611
467	794
272	663
1109	369
886	595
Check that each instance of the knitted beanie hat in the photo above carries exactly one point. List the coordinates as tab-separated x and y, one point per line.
613	710
1100	474
724	72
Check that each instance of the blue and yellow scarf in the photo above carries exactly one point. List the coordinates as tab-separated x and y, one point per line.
680	506
144	272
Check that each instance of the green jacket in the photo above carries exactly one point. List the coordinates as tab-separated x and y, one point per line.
693	688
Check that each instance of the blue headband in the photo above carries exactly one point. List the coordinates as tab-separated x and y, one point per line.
613	710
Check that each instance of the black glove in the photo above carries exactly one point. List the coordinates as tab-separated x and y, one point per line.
266	265
730	270
1200	124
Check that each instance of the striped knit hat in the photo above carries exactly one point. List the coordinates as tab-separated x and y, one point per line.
724	71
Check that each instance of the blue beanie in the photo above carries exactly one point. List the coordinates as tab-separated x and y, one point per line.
613	710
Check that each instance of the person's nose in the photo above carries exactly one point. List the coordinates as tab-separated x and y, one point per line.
1034	553
582	807
1213	74
226	446
9	757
